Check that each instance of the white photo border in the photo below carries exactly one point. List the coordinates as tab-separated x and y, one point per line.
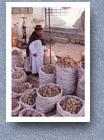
9	118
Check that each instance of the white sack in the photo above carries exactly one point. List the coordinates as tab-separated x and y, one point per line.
22	79
16	95
24	104
64	113
47	57
45	78
80	91
47	104
15	57
17	110
25	109
18	68
66	78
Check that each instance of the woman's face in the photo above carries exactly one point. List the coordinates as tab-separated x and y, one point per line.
39	32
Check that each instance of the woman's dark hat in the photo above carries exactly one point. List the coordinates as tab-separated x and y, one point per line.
38	27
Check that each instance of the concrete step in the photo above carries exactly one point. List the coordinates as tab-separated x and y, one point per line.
72	29
64	35
56	39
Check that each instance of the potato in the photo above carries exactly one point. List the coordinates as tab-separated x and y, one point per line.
29	98
67	62
20	64
30	113
16	52
15	104
71	105
20	88
48	69
49	90
17	74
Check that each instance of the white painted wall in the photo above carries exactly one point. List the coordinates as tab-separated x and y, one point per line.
73	19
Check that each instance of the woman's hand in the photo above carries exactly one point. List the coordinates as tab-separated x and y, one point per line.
35	54
46	50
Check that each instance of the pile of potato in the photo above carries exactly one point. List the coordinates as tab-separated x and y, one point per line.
17	74
21	64
30	97
55	116
48	69
49	90
67	62
83	65
22	87
16	52
30	113
15	104
71	105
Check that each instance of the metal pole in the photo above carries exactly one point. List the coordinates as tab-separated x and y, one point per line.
49	33
45	17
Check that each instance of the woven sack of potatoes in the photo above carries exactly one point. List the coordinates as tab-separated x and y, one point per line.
46	75
16	107
80	91
47	97
13	70
47	57
20	89
67	79
71	106
18	77
30	112
28	99
81	69
16	55
19	66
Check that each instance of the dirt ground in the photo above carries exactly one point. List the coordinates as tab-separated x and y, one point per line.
74	50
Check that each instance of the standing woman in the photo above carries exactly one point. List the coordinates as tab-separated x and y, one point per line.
35	50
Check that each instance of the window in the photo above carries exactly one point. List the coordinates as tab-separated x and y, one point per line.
60	11
23	10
